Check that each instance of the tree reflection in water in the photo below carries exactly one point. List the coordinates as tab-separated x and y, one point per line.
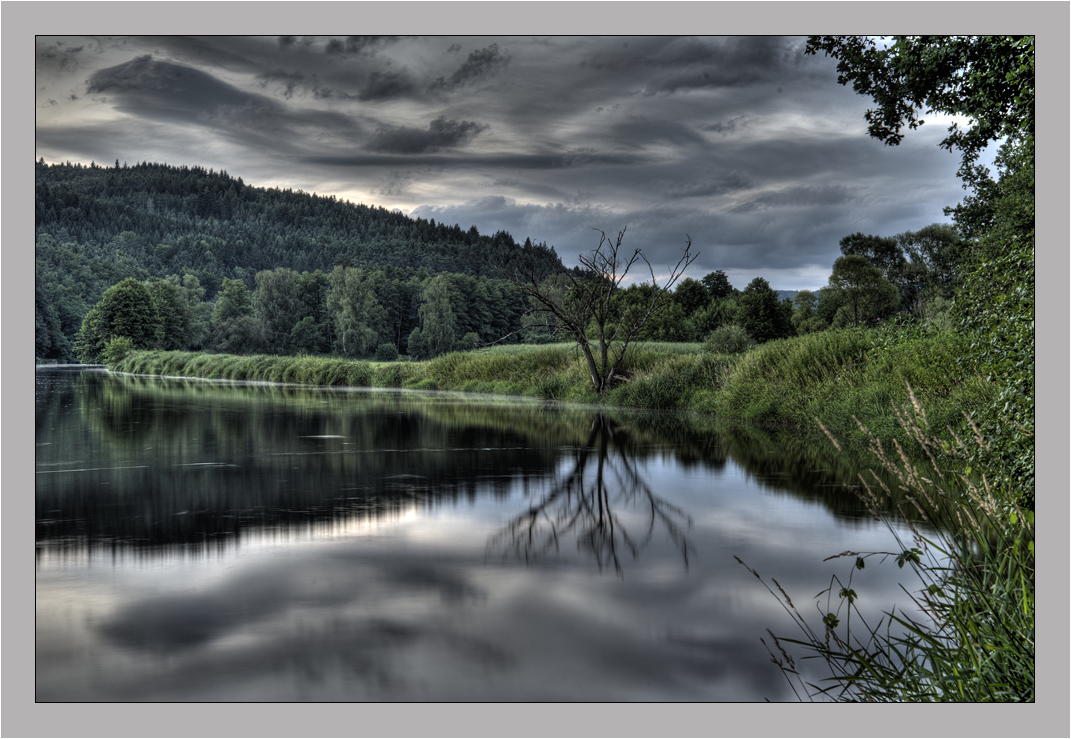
587	503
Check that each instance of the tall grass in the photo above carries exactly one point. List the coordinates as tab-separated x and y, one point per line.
975	589
833	375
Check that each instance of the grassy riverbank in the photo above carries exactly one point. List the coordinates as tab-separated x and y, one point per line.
832	375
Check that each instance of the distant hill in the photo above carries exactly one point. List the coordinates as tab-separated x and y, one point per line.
166	220
97	225
790	294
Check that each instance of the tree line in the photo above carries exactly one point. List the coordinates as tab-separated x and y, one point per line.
381	312
97	225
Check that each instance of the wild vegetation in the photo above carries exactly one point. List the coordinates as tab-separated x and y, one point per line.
976	576
940	319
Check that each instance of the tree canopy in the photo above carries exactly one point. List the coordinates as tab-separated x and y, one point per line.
987	79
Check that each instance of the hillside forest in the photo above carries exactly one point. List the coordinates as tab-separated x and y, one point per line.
192	259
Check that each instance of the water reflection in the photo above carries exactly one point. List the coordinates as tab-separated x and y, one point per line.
588	504
146	463
199	541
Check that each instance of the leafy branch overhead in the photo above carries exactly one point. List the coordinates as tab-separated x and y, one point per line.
987	79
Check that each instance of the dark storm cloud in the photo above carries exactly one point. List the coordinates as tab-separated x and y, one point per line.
59	56
440	134
681	63
717	185
289	80
642	132
145	86
728	126
481	64
744	143
386	85
368	44
169	92
548	161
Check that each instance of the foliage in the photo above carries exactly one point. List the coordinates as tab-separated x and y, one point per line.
691	295
126	309
438	321
238	335
761	314
975	639
468	342
116	349
729	339
996	309
386	352
156	221
805	318
306	336
173	329
989	80
717	285
357	316
866	295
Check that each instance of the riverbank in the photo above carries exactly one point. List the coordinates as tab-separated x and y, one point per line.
835	376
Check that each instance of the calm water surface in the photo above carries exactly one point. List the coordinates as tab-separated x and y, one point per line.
213	541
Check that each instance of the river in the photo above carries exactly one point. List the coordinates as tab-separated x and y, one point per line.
214	541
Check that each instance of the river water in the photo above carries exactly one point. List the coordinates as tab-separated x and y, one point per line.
211	541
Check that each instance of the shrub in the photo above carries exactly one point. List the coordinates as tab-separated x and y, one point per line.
469	342
116	349
387	352
729	339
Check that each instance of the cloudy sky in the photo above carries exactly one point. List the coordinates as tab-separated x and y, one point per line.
744	144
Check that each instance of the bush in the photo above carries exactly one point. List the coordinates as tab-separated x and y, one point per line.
730	339
387	352
469	342
116	349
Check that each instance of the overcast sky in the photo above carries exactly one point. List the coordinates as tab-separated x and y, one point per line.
744	144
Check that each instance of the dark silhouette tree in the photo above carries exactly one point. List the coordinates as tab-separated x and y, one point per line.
588	300
761	313
717	285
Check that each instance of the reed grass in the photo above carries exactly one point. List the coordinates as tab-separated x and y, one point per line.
974	588
833	375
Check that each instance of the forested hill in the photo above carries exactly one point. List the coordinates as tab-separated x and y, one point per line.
161	220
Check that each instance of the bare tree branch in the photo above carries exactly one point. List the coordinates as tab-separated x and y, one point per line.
588	299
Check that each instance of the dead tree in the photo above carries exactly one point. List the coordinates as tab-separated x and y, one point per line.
588	297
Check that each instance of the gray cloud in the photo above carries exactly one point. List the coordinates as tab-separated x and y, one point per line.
744	143
717	185
728	126
440	134
146	86
386	85
803	196
481	63
168	92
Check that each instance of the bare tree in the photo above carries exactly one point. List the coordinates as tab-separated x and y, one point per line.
588	297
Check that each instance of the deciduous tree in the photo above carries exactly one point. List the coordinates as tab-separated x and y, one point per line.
126	309
867	296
